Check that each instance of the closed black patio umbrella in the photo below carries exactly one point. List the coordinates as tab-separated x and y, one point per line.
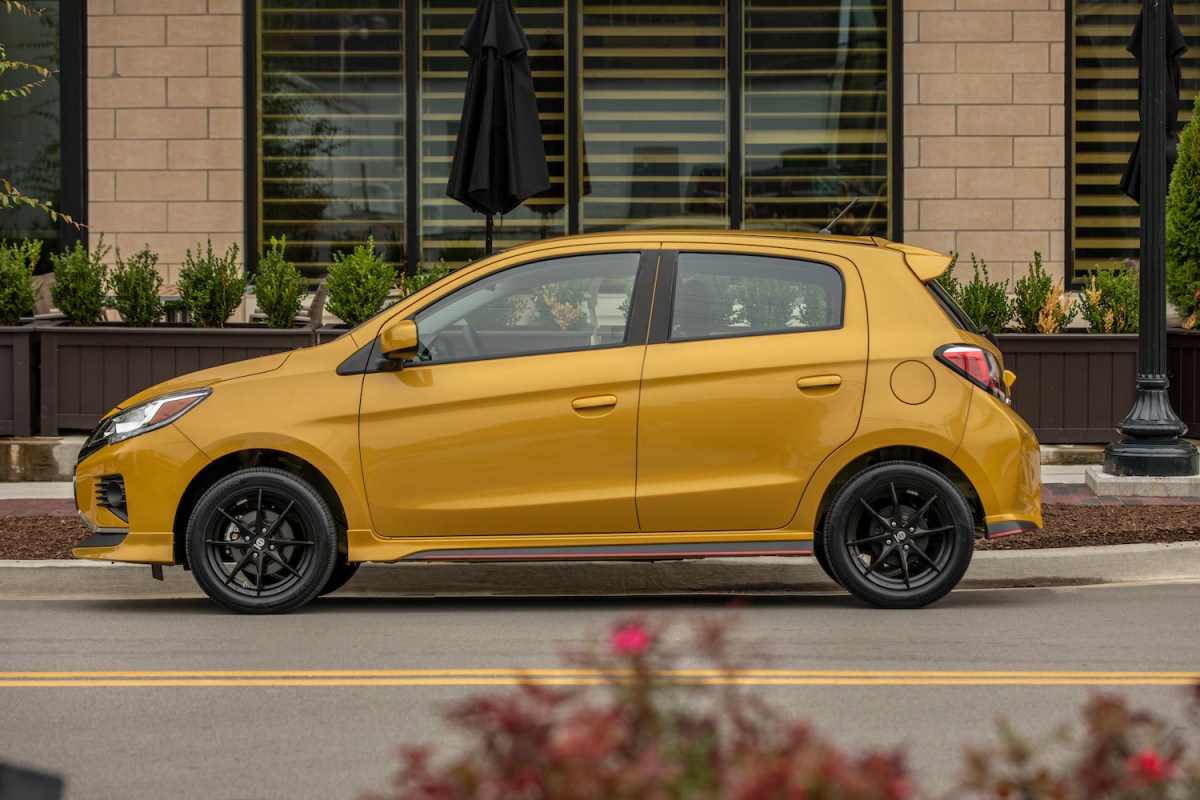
499	158
1167	60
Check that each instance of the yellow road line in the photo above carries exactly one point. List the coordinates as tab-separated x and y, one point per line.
568	677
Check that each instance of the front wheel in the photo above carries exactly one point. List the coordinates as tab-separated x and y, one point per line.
899	535
262	541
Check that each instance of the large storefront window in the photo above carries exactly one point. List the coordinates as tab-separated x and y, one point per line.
449	229
675	113
655	114
331	127
1105	223
816	115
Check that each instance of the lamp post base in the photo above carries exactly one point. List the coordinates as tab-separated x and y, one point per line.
1167	457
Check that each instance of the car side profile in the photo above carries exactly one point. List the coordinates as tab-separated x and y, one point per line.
639	395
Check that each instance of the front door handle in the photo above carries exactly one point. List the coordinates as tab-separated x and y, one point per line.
818	381
594	403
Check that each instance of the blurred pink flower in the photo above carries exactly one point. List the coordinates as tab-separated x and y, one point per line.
1149	766
630	639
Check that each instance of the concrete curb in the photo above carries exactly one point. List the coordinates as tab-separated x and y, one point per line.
1073	566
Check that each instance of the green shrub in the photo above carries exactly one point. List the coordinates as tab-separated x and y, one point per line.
136	286
985	301
16	279
1040	305
279	286
358	283
1183	224
210	286
79	277
1109	300
411	284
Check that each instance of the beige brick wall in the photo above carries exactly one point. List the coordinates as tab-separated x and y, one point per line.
165	150
984	135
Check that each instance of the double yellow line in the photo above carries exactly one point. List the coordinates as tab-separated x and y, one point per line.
583	677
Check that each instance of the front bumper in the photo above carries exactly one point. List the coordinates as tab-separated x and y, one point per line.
157	468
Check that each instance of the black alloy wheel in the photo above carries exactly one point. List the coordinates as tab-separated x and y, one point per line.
262	541
899	535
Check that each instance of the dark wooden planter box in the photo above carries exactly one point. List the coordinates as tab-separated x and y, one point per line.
1072	388
1183	365
87	371
18	380
327	333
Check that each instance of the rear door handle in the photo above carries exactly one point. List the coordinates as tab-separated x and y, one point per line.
817	381
596	402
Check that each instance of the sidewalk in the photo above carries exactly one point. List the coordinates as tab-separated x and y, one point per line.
1073	566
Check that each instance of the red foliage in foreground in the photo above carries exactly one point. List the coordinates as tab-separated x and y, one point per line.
653	731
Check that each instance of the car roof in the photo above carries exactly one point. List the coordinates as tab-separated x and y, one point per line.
927	264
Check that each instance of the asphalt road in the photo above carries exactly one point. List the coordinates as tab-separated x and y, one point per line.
183	719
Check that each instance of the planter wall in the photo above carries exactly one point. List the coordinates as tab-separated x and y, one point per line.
1183	365
18	380
87	371
1072	388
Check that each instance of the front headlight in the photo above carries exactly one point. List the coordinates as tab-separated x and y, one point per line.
144	418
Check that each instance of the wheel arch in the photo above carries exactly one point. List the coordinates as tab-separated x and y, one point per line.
244	459
816	501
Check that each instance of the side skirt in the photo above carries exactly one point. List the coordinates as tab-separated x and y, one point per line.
617	552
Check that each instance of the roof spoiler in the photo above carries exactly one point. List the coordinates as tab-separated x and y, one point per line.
925	264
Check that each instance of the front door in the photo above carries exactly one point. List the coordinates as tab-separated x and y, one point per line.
758	379
519	415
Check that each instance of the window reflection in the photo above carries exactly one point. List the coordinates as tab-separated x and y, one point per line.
31	158
655	117
331	141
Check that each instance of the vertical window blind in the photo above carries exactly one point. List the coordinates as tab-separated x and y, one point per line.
1105	223
815	111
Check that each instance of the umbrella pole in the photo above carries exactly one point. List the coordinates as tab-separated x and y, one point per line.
487	238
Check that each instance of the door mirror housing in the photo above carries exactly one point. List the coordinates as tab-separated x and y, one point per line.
398	341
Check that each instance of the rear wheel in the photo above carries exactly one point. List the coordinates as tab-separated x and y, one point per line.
262	541
899	535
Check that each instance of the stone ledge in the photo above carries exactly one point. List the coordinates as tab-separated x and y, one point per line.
1104	484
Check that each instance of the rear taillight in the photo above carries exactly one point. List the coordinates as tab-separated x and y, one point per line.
977	365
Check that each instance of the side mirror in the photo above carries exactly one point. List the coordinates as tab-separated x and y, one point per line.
398	341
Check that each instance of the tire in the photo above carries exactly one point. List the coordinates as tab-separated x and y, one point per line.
262	516
821	557
343	571
899	535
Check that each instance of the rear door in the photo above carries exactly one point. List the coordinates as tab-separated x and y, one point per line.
754	374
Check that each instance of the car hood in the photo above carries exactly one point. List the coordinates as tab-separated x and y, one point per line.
207	377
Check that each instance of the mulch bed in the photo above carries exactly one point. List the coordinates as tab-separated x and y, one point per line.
45	536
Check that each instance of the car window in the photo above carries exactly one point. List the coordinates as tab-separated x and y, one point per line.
736	295
571	303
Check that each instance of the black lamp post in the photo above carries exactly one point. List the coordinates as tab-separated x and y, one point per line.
1152	431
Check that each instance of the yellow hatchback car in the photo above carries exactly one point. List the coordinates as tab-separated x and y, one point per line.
650	395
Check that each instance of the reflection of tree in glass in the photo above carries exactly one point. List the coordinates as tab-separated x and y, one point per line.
501	315
765	304
295	133
560	304
36	173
